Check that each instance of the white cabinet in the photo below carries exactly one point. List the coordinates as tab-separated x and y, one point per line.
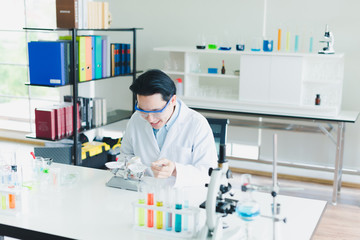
281	82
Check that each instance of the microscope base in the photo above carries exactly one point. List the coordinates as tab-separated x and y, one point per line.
119	182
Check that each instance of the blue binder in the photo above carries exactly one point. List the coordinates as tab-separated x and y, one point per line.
47	63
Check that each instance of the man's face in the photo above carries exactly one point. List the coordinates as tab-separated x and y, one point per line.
155	103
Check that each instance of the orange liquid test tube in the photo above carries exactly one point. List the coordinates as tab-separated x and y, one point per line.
150	217
279	40
12	201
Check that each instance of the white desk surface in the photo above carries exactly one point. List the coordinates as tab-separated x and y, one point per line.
302	112
90	210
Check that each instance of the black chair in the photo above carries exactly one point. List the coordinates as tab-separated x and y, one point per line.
219	129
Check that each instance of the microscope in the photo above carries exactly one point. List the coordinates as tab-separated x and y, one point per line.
216	205
329	40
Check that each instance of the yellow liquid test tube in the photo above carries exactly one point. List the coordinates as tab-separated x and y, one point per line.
141	213
287	41
3	201
159	216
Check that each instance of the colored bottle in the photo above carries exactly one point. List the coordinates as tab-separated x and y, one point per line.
179	87
317	99
223	67
279	40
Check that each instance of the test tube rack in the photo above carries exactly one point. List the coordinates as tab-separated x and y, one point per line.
191	213
10	201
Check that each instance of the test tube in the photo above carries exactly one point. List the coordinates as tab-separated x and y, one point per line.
169	204
186	217
141	200
296	47
178	206
311	44
150	202
287	47
159	203
12	201
279	40
3	201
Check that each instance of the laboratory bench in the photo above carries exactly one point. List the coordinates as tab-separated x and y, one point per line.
81	206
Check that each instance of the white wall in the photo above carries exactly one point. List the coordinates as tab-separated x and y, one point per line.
177	23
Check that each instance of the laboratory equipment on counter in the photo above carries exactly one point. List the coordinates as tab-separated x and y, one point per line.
247	208
173	209
273	190
127	174
216	205
329	40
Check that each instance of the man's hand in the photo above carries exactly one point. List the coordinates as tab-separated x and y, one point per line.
163	168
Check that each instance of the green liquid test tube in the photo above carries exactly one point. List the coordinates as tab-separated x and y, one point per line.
287	48
141	213
159	216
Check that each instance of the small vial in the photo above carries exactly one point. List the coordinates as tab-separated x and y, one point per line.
317	99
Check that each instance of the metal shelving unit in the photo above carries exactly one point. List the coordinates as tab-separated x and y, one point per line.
75	74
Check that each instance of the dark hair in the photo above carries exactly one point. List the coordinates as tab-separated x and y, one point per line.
154	81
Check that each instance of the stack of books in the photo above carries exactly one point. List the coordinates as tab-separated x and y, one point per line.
92	111
55	122
83	14
120	59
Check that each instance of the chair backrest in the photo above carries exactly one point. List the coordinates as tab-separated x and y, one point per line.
219	129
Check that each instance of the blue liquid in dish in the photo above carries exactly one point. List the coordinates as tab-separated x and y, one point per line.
248	212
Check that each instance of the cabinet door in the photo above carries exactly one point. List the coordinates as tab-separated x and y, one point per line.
254	78
285	80
270	79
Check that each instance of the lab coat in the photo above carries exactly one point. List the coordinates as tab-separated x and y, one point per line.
189	143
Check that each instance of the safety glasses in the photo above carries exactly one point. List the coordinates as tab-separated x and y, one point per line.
155	114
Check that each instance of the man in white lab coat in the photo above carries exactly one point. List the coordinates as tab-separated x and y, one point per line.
175	142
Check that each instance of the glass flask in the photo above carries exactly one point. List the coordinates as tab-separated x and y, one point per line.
247	208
